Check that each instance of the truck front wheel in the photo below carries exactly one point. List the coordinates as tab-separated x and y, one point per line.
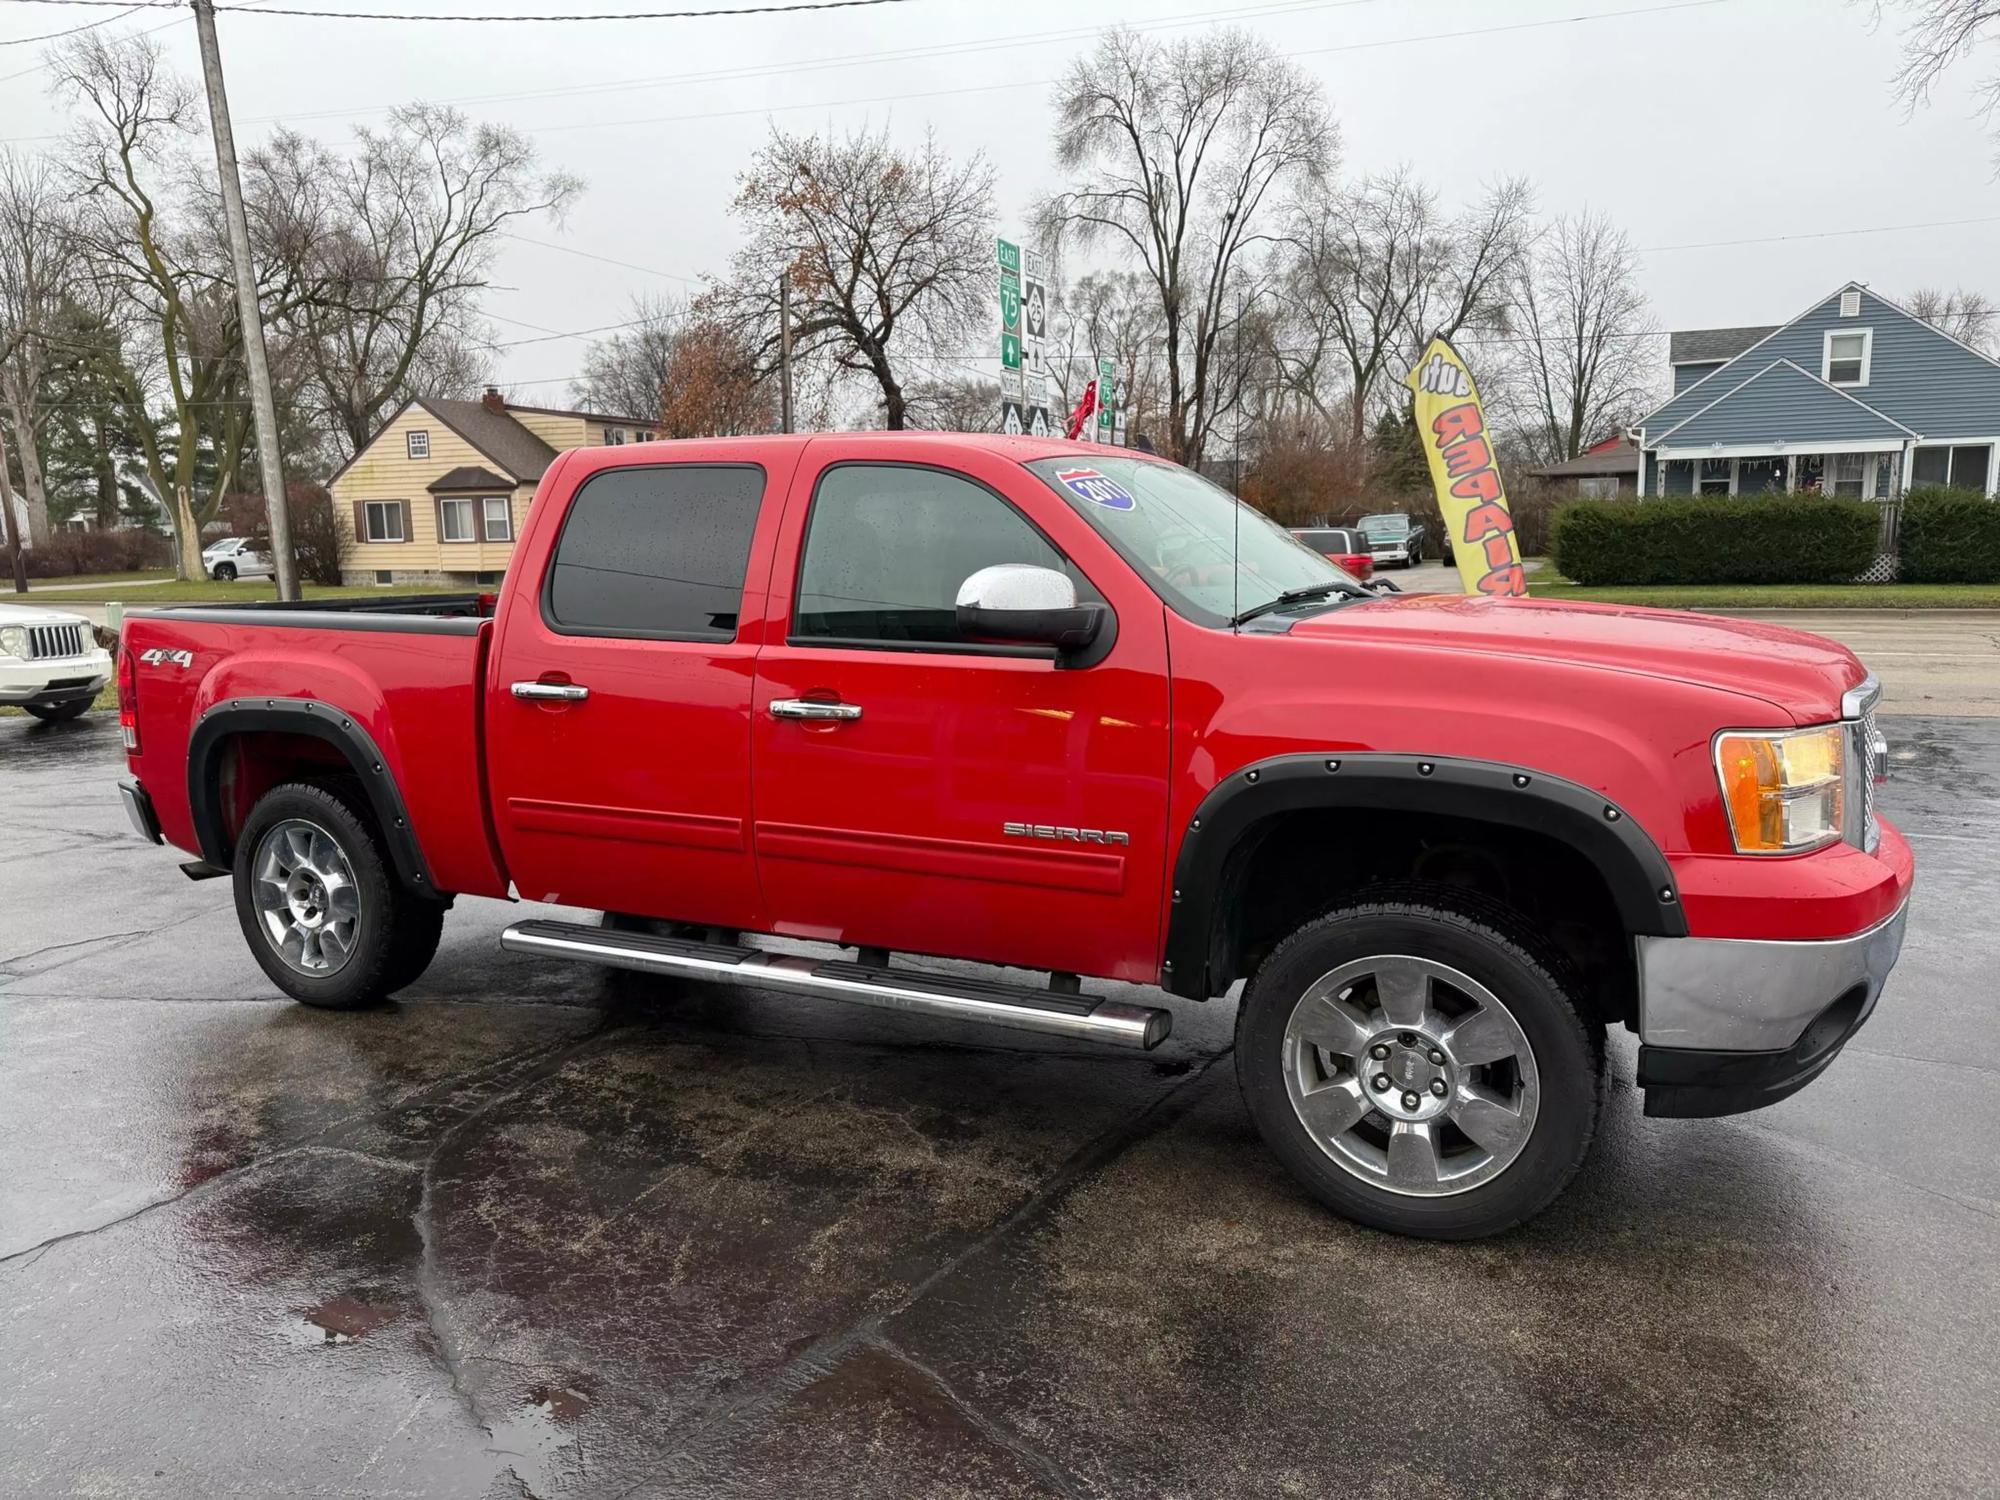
1420	1065
323	913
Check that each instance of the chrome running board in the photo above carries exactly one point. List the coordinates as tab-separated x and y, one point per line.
1076	1016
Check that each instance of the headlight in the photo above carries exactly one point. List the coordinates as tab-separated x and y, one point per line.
14	641
1785	791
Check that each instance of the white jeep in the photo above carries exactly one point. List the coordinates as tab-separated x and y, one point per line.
50	662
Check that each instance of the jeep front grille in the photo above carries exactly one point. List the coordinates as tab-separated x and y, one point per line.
55	640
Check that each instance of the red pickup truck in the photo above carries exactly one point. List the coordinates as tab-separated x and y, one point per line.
1071	711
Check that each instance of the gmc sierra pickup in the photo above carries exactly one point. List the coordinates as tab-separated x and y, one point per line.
1074	711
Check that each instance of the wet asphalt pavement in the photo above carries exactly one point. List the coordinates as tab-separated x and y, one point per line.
534	1231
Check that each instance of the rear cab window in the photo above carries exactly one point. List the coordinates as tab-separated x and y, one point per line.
655	552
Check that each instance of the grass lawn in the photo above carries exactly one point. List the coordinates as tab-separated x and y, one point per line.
41	585
1551	585
244	591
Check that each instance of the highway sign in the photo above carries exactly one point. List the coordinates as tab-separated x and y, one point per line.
1035	304
1011	421
1010	351
1010	384
1010	256
1010	303
1038	422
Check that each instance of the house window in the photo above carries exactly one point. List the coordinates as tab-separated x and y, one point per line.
498	518
614	436
417	444
1846	357
382	521
1598	487
384	577
1854	474
456	521
1714	476
1963	466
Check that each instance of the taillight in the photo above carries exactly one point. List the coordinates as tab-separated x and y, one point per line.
128	699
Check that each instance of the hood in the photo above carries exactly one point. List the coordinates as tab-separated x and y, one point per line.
1802	674
23	614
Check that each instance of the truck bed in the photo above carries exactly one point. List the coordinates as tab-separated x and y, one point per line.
404	677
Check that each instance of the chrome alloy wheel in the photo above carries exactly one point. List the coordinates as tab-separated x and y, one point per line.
307	901
1411	1075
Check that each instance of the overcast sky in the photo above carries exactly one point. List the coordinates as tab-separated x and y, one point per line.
1731	120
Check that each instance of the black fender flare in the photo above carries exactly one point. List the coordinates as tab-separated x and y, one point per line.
1640	880
233	716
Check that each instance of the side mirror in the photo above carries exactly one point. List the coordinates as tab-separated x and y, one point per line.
1022	602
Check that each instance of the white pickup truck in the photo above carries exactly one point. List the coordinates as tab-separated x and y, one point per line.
50	662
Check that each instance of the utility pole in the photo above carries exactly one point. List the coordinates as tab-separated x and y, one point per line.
263	408
13	527
785	349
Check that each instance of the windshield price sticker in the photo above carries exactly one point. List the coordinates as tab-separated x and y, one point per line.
1090	485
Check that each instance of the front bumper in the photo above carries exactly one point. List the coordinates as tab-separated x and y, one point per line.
51	680
1732	1024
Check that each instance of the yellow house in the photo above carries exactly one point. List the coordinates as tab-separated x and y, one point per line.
438	495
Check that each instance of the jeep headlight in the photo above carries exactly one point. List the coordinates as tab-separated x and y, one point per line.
1786	790
14	641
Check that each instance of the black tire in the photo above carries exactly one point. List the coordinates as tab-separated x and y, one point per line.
58	713
1485	943
395	932
225	572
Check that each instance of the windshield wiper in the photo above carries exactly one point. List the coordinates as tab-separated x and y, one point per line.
1301	596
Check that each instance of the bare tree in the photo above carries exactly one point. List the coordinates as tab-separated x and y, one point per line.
395	242
955	403
885	249
1112	315
1179	152
1585	356
626	374
40	278
1371	271
1968	316
1943	32
166	274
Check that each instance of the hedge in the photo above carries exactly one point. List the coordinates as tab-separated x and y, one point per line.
1716	539
1949	536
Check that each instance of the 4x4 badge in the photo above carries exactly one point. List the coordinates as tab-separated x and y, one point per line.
160	656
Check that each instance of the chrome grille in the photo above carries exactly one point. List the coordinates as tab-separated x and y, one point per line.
1868	758
55	640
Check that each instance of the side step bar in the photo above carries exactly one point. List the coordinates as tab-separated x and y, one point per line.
1076	1016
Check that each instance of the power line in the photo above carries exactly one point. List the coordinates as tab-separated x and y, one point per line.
50	36
1820	234
392	15
1013	41
604	259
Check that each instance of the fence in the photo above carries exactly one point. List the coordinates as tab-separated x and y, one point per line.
1883	569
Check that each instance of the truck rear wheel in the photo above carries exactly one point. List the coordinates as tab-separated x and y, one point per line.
323	913
1419	1063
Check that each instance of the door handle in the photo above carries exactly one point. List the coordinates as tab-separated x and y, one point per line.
814	708
558	692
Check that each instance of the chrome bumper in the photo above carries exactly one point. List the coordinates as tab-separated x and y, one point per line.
1739	995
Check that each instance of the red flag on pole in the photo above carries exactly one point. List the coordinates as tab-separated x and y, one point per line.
1085	410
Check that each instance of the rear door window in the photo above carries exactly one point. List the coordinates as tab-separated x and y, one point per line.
656	552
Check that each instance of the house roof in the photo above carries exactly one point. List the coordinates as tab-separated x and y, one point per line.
1621	459
1807	408
469	477
521	454
588	416
1707	345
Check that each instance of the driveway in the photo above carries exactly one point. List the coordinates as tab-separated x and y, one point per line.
534	1231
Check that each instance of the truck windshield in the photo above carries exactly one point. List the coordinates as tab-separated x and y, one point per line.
1213	558
1384	525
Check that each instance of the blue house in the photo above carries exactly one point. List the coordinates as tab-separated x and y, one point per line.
1854	396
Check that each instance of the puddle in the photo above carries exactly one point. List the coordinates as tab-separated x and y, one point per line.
344	1319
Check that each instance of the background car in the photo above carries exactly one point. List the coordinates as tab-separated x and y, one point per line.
1394	536
1342	546
237	557
50	663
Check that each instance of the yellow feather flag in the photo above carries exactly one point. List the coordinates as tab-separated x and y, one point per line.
1466	472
